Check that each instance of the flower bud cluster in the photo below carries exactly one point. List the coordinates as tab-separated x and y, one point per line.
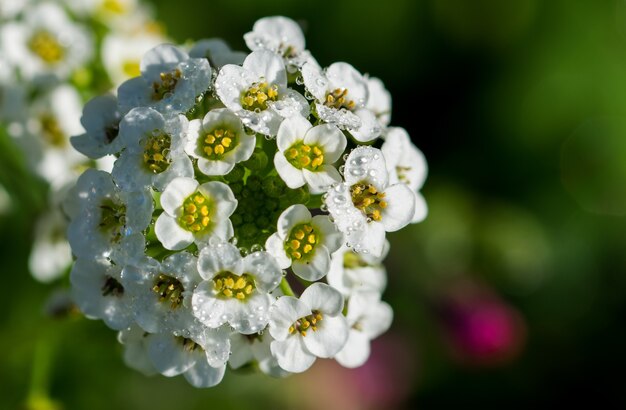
238	175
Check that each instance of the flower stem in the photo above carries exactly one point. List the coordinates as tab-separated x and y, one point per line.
286	288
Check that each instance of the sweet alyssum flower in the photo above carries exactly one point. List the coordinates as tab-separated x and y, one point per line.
241	187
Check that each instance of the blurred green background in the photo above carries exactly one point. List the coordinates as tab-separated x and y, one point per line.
511	293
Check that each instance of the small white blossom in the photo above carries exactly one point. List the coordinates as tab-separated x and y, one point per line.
218	141
235	289
357	272
98	292
217	52
101	120
304	242
280	35
153	150
307	328
366	206
368	318
406	164
306	154
257	92
170	81
379	101
194	213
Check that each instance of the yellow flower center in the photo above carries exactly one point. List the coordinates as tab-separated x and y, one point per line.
156	151
305	323
367	198
131	68
228	285
112	218
168	289
338	98
51	131
218	142
113	6
167	84
301	155
257	96
352	260
301	242
47	47
197	212
112	287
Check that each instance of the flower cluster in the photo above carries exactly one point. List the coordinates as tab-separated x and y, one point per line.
237	177
53	56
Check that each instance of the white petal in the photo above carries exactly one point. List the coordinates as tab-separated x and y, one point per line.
326	299
343	75
292	355
175	194
372	240
356	351
292	216
159	59
167	355
321	179
214	167
204	375
230	83
400	207
329	338
421	208
267	65
276	247
292	130
315	81
292	176
370	128
207	308
330	138
285	311
331	236
241	351
366	163
267	274
223	196
171	235
246	317
215	259
315	268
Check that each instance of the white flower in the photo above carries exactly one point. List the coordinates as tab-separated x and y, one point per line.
306	154
154	150
46	44
406	164
50	255
254	348
194	213
235	289
340	94
107	222
12	100
118	15
306	328
44	138
201	358
101	119
280	35
121	54
257	92
368	318
161	292
357	272
218	141
135	341
98	292
379	101
366	206
170	81
11	8
217	52
304	242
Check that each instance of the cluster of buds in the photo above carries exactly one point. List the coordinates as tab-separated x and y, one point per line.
237	177
54	55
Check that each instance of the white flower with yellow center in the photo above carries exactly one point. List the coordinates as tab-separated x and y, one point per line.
153	152
218	141
379	101
170	81
304	242
254	348
194	213
217	52
357	272
201	358
257	92
235	290
340	94
121	54
98	292
280	35
309	327
101	120
406	164
366	206
306	154
368	318
46	44
111	219
161	292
